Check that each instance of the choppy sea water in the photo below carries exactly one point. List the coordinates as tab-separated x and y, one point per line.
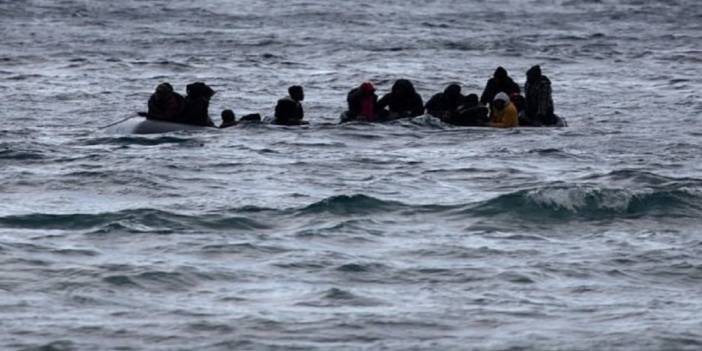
412	235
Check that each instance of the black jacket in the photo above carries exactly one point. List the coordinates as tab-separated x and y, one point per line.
539	102
475	116
441	102
403	106
195	112
288	112
492	89
168	109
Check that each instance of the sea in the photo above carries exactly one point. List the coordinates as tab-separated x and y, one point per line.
408	235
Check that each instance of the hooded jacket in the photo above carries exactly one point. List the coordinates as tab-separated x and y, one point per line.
197	103
539	102
403	100
493	87
507	117
357	100
447	101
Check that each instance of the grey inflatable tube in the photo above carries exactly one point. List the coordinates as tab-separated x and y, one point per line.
139	125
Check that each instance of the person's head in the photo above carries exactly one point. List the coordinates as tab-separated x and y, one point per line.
500	74
453	91
403	87
228	116
533	74
367	88
296	93
199	90
500	101
471	100
164	89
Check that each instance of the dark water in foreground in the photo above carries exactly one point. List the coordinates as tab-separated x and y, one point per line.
405	236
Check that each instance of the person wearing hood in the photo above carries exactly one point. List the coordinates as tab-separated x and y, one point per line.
288	110
500	82
504	114
539	102
197	104
441	105
402	101
471	113
363	104
165	104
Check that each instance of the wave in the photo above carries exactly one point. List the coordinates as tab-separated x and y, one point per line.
352	204
133	221
591	202
660	197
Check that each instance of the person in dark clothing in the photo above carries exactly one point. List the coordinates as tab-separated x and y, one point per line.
228	119
500	82
363	104
441	105
289	110
402	101
165	104
539	103
519	103
197	103
471	113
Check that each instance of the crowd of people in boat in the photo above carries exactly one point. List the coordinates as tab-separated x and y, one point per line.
501	104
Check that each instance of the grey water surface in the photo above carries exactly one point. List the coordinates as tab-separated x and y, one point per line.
412	235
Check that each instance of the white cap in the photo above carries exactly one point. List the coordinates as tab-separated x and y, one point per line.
501	96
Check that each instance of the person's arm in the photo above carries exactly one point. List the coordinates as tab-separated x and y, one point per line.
485	97
545	102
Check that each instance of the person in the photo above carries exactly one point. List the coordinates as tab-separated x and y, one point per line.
402	101
504	114
288	110
441	105
165	104
519	103
363	104
228	119
470	114
197	103
539	103
500	82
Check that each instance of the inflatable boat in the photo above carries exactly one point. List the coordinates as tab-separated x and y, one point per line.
140	125
560	121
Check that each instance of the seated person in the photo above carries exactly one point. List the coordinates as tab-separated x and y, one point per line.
363	104
539	103
289	110
165	104
197	103
520	104
228	119
500	82
442	104
504	114
402	101
470	114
